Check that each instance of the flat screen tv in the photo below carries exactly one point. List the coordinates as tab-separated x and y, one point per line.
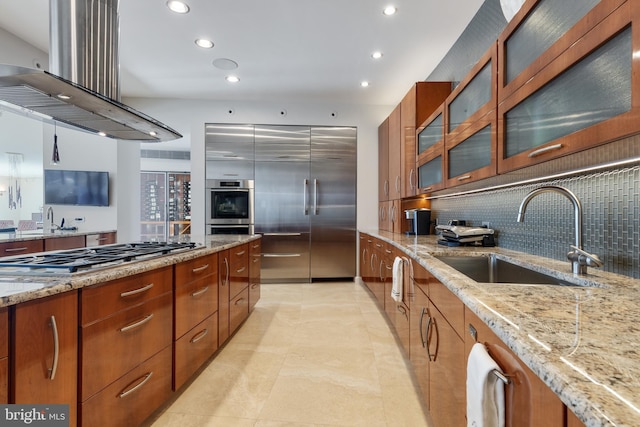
80	188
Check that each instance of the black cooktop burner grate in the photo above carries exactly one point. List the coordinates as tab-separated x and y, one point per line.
85	258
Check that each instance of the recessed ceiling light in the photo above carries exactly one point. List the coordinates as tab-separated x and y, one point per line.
204	43
153	133
376	55
389	10
364	83
102	133
178	6
232	79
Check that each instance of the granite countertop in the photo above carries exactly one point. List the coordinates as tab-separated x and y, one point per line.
19	236
582	341
15	289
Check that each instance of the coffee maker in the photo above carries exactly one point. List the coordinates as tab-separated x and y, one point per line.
419	221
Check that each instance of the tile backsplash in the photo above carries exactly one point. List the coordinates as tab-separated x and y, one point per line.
611	217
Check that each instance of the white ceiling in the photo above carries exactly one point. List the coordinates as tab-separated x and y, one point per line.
287	50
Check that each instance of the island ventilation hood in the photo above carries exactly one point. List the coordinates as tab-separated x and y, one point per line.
81	90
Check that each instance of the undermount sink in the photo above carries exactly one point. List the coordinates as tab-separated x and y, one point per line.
490	269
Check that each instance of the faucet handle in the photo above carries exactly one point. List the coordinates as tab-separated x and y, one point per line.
592	260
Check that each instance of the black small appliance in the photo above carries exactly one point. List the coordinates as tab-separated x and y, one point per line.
419	221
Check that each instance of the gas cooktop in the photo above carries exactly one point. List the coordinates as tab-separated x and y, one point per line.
83	259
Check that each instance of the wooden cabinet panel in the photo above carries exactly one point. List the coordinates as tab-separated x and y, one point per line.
573	421
255	261
102	300
448	304
35	327
194	302
119	343
238	310
394	156
224	275
383	161
21	247
447	371
4	355
197	268
239	269
419	313
528	401
66	242
132	398
194	348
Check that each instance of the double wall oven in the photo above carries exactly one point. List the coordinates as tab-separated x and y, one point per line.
230	206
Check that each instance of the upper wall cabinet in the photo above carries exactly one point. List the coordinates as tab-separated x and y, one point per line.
430	137
579	91
470	123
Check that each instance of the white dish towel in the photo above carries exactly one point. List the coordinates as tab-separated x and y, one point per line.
396	284
485	391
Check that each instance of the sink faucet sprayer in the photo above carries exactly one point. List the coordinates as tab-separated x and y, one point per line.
579	258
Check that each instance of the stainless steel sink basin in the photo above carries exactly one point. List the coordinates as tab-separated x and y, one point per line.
490	269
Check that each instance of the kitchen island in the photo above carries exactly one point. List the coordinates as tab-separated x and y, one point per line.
114	341
581	341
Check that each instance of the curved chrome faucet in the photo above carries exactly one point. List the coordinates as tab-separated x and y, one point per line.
52	226
579	258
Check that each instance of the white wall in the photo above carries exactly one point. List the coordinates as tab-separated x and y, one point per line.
189	116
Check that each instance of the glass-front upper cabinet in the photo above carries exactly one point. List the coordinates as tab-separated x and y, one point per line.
431	134
229	151
581	95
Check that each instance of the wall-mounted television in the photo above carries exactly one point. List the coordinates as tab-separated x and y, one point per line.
80	188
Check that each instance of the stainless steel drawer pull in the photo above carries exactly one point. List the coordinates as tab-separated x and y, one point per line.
136	324
427	189
203	333
280	255
56	349
545	150
241	269
141	381
136	291
238	301
200	292
256	246
255	285
464	177
16	249
199	269
240	253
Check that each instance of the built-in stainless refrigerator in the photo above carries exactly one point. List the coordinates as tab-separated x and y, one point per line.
305	202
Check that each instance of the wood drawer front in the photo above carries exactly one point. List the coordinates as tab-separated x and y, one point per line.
4	380
448	304
107	352
197	268
98	302
238	310
195	348
67	242
4	332
194	302
149	386
21	247
254	293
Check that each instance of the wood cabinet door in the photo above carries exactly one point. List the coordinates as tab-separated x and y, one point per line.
21	247
239	269
383	161
528	401
238	310
67	242
447	373
255	262
42	375
4	355
419	314
395	151
224	275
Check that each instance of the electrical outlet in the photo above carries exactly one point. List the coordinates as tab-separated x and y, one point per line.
79	219
486	224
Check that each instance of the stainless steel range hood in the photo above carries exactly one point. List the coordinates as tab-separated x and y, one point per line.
81	90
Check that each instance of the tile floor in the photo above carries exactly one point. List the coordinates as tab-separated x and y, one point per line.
316	354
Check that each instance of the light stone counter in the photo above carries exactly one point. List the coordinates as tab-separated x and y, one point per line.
582	341
40	234
21	288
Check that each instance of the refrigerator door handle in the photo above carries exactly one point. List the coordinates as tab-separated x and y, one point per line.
315	197
305	192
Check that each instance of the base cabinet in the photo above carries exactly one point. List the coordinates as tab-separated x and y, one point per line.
418	340
46	330
255	257
4	355
224	276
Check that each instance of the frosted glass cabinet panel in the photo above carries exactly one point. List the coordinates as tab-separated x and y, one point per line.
476	94
472	154
431	134
593	90
430	175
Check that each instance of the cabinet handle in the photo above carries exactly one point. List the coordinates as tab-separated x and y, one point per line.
428	330
315	197
364	256
464	177
305	190
238	301
226	267
200	292
256	246
136	324
422	340
241	269
199	269
386	187
543	150
240	253
387	251
411	184
102	239
427	189
56	348
16	249
136	291
142	381
398	184
203	333
432	321
402	311
256	259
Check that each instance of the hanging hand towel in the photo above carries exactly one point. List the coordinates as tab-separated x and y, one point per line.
485	391
396	288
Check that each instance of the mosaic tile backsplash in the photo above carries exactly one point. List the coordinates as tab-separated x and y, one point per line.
610	214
